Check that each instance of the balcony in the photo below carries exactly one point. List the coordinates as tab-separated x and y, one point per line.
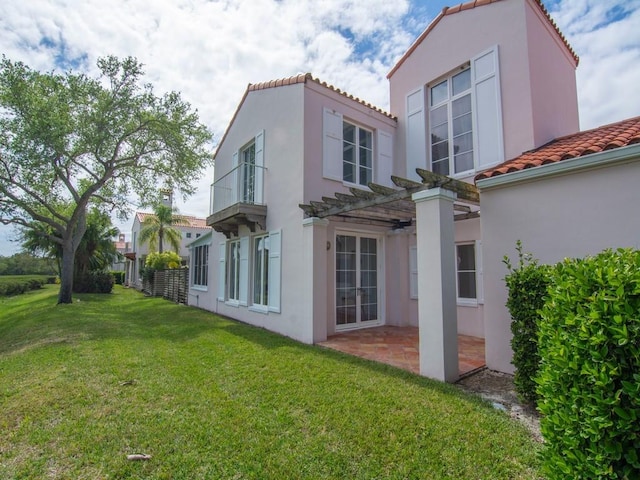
237	199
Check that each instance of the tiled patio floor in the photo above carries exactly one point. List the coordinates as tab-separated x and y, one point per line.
398	346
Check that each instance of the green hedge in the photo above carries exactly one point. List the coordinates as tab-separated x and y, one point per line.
15	284
527	286
94	282
118	276
589	379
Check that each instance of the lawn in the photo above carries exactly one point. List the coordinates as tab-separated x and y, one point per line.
84	385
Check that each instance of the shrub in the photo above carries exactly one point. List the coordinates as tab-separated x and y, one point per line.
527	285
589	379
94	282
162	261
118	276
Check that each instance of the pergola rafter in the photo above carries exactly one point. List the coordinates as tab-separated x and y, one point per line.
382	205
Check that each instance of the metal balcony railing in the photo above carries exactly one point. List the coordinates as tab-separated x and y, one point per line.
243	184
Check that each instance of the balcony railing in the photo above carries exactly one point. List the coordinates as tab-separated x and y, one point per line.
244	184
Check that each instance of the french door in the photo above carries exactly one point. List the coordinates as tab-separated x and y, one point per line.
356	281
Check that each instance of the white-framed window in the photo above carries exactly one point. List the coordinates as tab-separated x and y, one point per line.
354	153
265	271
188	234
248	173
200	267
357	154
466	269
451	124
261	270
233	271
465	117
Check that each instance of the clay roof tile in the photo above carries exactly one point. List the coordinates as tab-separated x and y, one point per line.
588	142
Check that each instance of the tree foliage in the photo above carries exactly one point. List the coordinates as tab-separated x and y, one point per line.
160	226
67	139
24	263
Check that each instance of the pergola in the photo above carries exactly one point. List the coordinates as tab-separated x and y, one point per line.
434	204
393	206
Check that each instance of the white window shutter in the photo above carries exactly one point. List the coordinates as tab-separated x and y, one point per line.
416	134
244	271
487	108
259	186
222	271
275	246
332	144
385	159
413	271
479	273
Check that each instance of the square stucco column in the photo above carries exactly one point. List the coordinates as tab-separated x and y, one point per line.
314	310
437	309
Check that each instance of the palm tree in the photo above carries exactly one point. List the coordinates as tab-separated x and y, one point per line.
95	252
159	227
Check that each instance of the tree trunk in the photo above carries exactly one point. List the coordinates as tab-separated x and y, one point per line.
66	275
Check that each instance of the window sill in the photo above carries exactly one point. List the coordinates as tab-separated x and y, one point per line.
200	288
259	309
467	302
232	303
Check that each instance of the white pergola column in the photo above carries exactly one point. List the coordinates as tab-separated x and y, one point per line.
437	309
315	279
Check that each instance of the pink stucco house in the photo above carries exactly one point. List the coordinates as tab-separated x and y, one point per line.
330	214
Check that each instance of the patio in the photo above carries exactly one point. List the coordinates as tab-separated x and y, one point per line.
398	346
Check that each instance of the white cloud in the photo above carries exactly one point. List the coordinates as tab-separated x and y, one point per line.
606	37
211	50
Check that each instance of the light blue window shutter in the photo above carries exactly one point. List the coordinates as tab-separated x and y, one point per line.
259	186
332	144
488	109
416	136
385	158
222	271
275	245
244	271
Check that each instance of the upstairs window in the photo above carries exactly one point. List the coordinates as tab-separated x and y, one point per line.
357	154
248	173
451	125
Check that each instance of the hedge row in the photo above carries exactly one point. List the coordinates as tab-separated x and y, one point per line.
18	286
586	335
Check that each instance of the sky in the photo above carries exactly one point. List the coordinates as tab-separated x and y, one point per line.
210	50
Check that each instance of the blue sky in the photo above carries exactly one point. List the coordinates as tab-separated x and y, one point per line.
211	50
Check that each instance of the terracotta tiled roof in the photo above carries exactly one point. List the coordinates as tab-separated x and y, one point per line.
608	137
300	78
193	222
307	77
468	6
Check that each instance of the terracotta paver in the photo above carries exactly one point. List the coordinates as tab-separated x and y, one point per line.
398	346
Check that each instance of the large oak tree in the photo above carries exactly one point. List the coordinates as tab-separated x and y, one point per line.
68	138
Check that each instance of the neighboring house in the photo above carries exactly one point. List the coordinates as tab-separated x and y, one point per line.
193	229
331	214
122	247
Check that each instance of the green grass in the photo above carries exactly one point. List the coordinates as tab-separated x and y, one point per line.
84	385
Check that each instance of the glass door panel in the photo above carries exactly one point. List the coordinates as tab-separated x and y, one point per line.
356	280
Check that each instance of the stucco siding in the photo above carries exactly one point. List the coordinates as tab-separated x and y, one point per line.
565	216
